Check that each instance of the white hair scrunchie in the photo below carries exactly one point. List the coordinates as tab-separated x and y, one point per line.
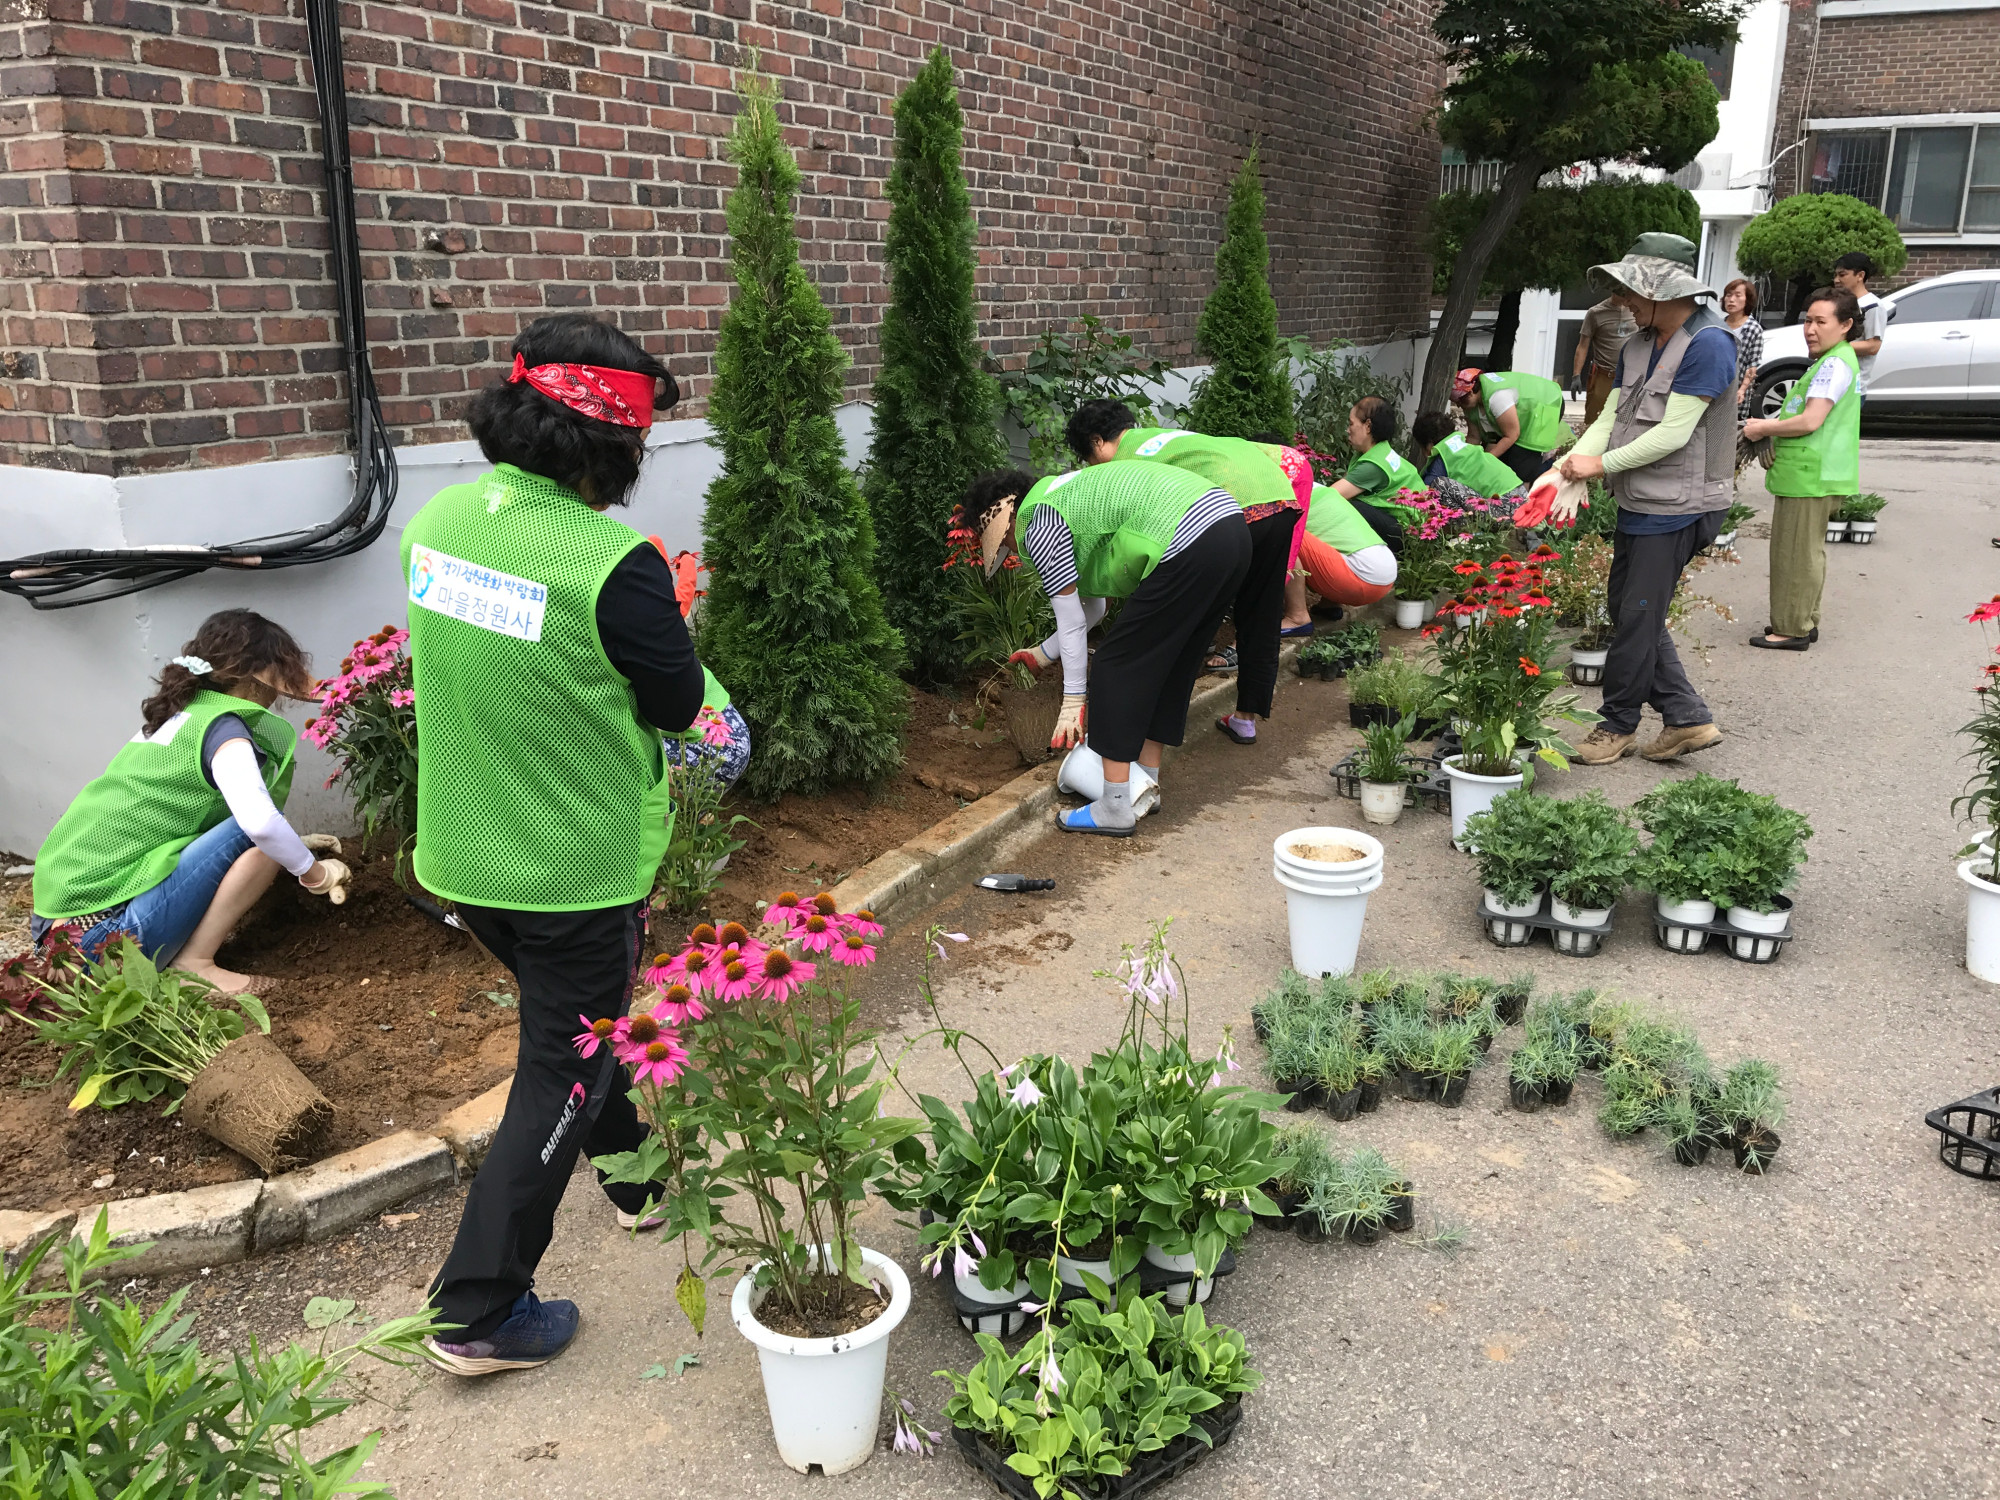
195	665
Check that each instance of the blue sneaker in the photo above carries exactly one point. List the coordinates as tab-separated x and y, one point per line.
534	1334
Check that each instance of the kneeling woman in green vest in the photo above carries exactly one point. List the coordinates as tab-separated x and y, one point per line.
174	843
1352	535
1165	541
1815	468
550	657
1444	456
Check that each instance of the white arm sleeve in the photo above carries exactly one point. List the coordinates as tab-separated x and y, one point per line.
234	768
1074	617
1376	565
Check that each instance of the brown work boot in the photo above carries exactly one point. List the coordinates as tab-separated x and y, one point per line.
1604	746
1679	740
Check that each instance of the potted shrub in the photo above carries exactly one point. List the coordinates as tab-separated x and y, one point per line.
1357	645
1859	513
1338	1074
1454	1052
1421	573
1513	842
775	1110
1346	1203
1374	1071
1294	1064
1595	847
1687	864
1732	522
1493	653
1385	775
1579	582
1979	805
1319	658
1766	848
1750	1108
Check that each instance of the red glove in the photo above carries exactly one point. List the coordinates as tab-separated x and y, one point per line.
1034	658
1534	510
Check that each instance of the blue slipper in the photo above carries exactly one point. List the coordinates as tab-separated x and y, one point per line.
1079	820
1296	632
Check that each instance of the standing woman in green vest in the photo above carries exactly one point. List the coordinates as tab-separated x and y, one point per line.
1815	467
549	657
1167	542
1517	417
183	832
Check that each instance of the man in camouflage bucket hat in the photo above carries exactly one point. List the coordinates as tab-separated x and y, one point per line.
1665	445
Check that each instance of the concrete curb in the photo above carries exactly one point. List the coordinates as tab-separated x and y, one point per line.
230	1221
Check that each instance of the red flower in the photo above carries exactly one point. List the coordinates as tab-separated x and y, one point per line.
1431	629
1990	610
1529	668
1467	569
1537	600
1507	611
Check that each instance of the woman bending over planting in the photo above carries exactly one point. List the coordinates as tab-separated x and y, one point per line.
549	657
175	842
1169	544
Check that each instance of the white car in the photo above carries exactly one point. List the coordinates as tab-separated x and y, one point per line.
1940	355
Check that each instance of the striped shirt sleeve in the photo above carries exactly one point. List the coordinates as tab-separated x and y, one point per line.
1215	506
1052	550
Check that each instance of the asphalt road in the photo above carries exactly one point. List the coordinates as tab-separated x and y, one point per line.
1614	1325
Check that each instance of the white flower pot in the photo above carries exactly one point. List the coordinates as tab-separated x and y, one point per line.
1473	794
1982	922
974	1290
1759	947
1326	902
1430	610
1383	801
825	1395
1727	539
1836	531
1862	532
1069	1270
1409	613
1586	668
1684	938
1178	1296
1512	933
1579	916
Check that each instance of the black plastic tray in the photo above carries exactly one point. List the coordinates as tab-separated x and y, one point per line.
1149	1470
1433	790
1006	1320
1328	671
1564	937
1965	1130
1736	938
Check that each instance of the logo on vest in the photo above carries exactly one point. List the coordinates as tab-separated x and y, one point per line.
459	590
1155	443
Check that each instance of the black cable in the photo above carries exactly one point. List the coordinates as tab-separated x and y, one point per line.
65	579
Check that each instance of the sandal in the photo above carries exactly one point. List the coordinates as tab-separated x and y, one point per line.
1079	820
1234	733
1296	632
1221	661
1793	643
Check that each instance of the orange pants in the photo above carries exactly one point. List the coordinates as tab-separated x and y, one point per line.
1328	575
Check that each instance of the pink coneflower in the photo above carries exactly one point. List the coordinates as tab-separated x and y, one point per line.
854	950
784	913
679	1005
780	976
633	1034
402	698
817	933
661	972
732	935
824	904
595	1034
862	921
695	967
660	1061
703	936
735	980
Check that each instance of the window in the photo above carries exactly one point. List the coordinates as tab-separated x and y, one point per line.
1953	302
1929	179
1720	62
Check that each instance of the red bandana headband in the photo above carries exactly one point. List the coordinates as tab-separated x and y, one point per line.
624	397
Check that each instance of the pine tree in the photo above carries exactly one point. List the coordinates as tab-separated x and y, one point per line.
937	411
793	624
1246	392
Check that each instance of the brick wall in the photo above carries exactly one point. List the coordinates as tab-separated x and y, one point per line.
162	244
1930	62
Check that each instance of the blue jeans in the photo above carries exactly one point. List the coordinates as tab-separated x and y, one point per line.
163	919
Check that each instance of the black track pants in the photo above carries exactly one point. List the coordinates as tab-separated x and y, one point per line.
570	965
1259	612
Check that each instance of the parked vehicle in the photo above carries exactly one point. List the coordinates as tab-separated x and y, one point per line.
1941	353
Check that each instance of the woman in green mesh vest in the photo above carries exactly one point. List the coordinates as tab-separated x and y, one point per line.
184	831
549	658
1170	544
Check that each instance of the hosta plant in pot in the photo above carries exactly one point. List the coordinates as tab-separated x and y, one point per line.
1385	775
1513	842
131	1031
1766	848
769	1131
979	1165
1595	848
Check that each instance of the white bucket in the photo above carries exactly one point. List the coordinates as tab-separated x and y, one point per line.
1982	923
1409	613
825	1395
1473	794
1326	903
1430	610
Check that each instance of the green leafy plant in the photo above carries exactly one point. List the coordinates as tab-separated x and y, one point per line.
1737	514
1861	508
793	620
1245	392
1298	1152
1382	748
1356	645
1327	383
1000	615
102	1398
1714	841
1752	1098
1062	372
1765	851
1980	801
1515	843
1797	240
131	1031
703	840
1399	684
1594	852
937	409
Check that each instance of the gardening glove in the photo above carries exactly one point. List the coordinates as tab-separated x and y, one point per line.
1034	658
321	843
1069	725
334	877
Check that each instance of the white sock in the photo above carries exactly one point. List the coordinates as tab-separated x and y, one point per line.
1114	808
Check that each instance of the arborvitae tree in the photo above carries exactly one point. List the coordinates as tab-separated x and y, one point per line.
793	624
1246	392
937	411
